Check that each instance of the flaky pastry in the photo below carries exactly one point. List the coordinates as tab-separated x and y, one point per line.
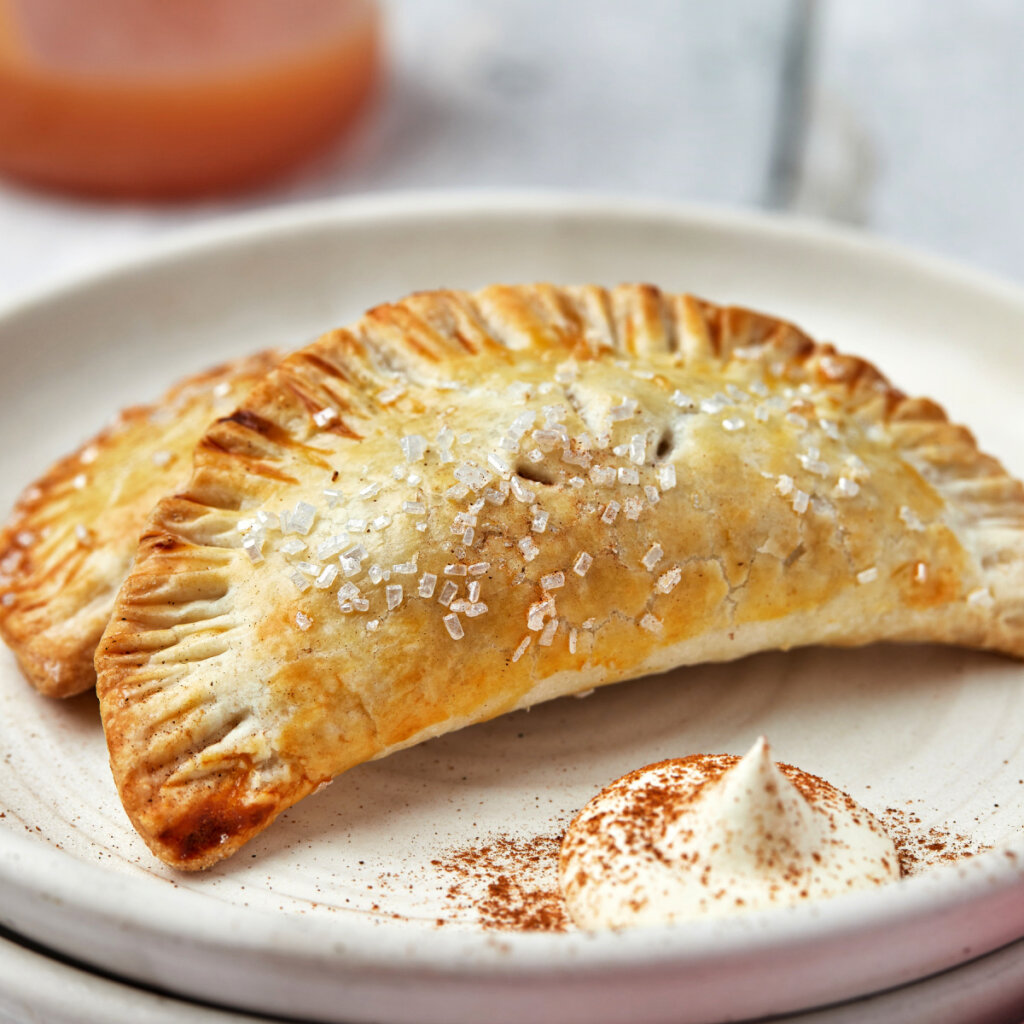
73	533
466	504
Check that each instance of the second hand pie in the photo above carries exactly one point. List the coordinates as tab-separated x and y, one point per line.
71	539
465	504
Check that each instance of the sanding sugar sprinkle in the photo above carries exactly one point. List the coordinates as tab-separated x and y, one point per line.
529	548
653	557
511	501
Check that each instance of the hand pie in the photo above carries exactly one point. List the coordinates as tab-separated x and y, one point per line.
73	533
465	504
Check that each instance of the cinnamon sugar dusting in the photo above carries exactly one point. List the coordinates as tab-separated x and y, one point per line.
510	882
920	848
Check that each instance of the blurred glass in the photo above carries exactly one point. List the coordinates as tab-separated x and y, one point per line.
176	98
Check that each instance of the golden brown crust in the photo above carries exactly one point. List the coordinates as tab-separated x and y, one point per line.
73	533
694	483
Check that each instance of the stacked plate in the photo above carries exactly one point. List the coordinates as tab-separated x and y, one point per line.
352	907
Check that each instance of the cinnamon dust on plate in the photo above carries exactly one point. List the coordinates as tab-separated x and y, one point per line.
510	882
920	848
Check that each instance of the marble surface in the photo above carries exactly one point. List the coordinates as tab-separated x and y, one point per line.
902	118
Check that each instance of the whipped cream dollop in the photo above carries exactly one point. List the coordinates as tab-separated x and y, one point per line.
711	835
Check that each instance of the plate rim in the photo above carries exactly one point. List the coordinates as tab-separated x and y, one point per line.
237	227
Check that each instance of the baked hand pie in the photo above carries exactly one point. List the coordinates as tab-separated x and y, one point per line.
466	504
73	533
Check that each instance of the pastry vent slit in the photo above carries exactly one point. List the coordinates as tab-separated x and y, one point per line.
535	473
666	444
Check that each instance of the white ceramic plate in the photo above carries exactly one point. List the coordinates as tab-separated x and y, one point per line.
332	914
38	989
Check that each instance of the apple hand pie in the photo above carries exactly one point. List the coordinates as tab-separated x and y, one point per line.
466	504
73	534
